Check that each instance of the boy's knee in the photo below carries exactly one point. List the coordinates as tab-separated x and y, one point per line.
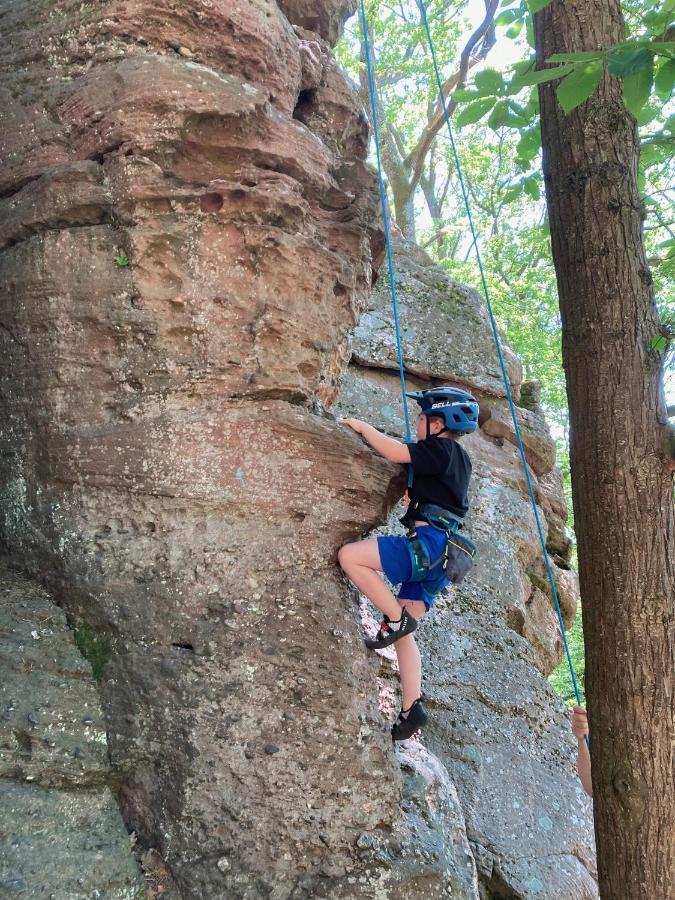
344	554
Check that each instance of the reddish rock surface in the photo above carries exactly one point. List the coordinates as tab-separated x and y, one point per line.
183	260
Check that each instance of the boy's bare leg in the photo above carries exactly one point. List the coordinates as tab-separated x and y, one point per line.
409	659
361	564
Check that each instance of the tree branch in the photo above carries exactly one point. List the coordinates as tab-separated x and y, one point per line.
484	33
436	235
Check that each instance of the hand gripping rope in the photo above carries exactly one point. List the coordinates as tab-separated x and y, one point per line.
392	282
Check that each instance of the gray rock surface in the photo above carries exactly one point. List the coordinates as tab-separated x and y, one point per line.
61	833
496	725
445	331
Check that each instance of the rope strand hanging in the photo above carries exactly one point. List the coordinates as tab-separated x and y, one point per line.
385	216
495	333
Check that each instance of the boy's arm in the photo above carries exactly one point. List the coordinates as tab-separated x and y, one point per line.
584	767
390	448
580	730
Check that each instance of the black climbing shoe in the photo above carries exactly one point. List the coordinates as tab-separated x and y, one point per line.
406	725
388	635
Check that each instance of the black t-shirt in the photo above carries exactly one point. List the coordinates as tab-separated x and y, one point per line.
441	473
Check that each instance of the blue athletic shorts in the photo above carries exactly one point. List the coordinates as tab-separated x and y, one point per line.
397	565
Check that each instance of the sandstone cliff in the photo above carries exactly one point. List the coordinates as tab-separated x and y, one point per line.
187	229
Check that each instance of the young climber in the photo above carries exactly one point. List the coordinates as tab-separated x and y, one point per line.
433	553
580	731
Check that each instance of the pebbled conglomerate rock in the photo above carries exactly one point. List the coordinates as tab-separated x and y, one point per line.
61	833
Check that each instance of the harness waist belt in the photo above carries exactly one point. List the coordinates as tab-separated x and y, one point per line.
438	517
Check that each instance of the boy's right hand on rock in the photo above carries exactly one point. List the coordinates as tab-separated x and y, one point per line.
355	424
579	723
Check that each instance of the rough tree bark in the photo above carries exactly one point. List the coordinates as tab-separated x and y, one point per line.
621	476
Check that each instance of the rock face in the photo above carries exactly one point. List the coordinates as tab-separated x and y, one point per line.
446	337
186	241
496	725
62	833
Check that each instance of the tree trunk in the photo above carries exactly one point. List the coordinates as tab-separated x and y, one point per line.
404	206
395	169
621	481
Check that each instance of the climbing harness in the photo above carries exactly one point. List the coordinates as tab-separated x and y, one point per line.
458	554
495	333
454	562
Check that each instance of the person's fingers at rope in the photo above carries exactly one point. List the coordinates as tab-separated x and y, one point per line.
579	723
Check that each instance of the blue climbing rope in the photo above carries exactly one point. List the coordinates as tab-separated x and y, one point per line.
385	217
495	333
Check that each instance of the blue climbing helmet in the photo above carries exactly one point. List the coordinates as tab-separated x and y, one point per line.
457	408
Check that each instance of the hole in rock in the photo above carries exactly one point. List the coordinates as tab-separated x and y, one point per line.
211	202
304	104
183	645
24	742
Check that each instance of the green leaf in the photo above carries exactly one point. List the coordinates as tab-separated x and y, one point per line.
536	5
522	165
658	20
649	156
636	90
629	60
518	115
575	57
475	111
489	81
532	188
530	33
539	77
499	116
647	115
525	65
665	79
529	143
532	108
579	85
659	343
662	48
508	16
513	193
122	260
462	95
514	30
